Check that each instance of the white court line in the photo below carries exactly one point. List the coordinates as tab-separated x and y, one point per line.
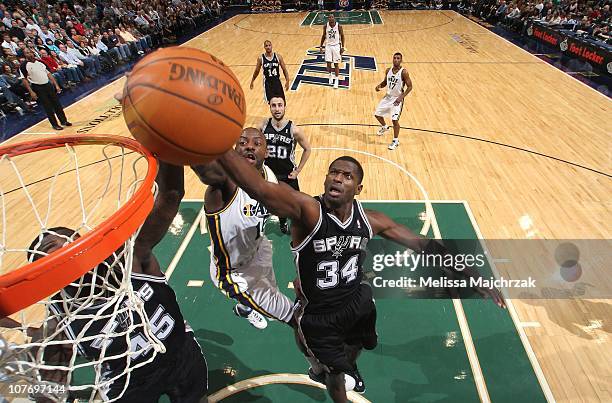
179	253
515	318
306	16
314	19
531	54
530	324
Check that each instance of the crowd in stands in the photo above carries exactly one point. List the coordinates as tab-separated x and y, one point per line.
589	18
77	40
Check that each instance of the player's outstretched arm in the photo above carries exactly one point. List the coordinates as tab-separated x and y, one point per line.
171	189
342	43
279	198
387	228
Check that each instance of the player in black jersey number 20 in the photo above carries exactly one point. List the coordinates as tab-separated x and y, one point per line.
282	135
336	315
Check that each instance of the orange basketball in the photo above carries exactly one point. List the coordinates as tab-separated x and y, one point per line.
184	105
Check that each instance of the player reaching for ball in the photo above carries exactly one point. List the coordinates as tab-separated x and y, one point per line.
241	255
335	313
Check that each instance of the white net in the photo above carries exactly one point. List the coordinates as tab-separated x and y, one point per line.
85	340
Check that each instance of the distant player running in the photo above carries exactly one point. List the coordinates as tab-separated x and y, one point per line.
335	314
333	37
241	255
282	135
272	63
396	78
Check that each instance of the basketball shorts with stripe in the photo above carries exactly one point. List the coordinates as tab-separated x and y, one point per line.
254	284
386	107
182	376
325	335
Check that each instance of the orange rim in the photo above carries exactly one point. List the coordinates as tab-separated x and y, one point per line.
38	280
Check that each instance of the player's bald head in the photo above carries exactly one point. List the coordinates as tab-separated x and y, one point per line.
252	132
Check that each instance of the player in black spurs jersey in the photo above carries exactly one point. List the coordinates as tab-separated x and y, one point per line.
282	135
272	64
181	371
335	313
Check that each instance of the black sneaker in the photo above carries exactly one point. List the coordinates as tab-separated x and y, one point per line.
359	384
320	378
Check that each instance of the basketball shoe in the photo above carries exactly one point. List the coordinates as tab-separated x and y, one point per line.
255	318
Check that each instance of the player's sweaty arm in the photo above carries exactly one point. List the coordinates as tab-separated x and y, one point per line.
279	198
171	189
387	228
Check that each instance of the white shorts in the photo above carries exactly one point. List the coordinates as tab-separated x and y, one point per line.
386	107
332	54
254	285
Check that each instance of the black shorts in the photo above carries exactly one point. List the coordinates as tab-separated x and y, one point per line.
183	378
291	182
326	335
273	88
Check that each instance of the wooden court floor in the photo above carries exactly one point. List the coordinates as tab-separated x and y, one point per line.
527	146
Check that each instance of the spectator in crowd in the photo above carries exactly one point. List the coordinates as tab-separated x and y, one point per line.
77	38
42	86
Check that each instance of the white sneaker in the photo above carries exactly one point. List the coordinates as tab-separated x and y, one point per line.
382	130
336	83
394	144
331	79
255	318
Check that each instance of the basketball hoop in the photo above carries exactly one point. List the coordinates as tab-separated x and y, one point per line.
85	283
34	281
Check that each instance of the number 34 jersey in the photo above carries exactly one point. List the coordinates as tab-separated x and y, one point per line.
329	261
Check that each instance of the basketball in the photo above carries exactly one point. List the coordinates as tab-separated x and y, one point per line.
184	105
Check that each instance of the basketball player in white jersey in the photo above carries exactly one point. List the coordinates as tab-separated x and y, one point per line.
282	136
272	63
396	78
241	255
333	37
